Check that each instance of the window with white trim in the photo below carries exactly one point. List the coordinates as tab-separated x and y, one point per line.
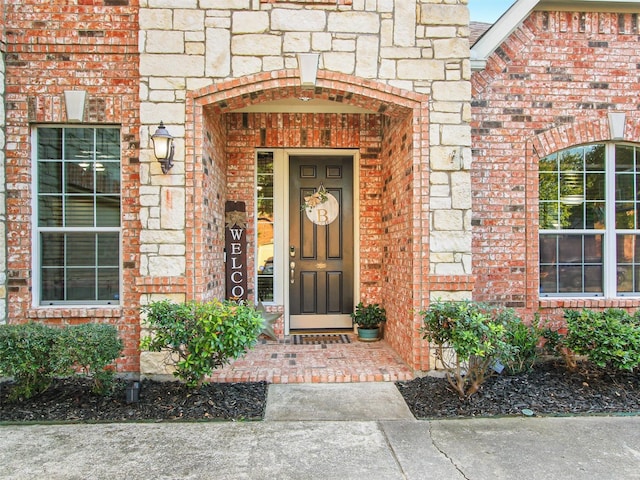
265	226
77	220
589	199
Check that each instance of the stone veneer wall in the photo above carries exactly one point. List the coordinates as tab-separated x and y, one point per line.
549	87
190	48
52	46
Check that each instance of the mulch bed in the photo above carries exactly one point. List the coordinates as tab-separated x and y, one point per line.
549	389
70	399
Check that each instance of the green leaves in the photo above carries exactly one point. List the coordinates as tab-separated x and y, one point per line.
609	338
470	339
201	336
33	354
369	316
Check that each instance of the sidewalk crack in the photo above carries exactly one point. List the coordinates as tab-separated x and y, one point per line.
392	450
445	454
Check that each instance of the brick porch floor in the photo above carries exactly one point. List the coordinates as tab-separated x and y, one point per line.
277	362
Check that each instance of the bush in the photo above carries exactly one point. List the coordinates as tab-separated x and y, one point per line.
524	339
25	355
90	348
609	338
476	333
203	336
33	354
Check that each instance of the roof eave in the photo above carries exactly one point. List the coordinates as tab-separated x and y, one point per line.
498	33
521	9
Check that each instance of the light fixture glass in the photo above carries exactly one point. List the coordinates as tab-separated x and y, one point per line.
163	147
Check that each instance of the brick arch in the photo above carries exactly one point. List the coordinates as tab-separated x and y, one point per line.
254	89
585	130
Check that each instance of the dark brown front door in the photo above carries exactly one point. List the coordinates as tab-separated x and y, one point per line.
321	247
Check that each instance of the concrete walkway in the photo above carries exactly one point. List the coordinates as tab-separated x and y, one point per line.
329	431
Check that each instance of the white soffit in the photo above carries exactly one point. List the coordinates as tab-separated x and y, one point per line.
295	105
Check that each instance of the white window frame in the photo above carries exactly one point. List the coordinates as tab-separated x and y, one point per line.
610	233
36	230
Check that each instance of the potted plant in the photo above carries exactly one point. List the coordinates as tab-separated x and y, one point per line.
368	319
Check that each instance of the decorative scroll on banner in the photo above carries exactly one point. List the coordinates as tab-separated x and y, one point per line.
235	219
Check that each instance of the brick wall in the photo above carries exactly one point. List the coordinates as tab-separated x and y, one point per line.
548	87
3	225
66	45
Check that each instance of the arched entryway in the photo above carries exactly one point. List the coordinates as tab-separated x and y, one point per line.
380	130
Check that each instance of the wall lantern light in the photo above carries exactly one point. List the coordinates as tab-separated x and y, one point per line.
308	65
163	147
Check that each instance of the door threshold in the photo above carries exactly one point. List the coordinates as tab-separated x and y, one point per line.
319	331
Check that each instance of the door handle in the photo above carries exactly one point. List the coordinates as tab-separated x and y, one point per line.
292	272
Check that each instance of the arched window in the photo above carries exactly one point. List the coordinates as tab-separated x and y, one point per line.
589	199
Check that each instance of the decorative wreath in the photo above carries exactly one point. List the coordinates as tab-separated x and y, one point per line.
317	198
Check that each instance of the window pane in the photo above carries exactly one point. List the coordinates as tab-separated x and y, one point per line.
108	178
625	187
265	162
265	186
108	284
81	284
52	249
625	215
594	158
49	177
595	186
79	177
265	208
108	248
52	284
81	249
549	186
108	211
572	159
549	216
79	211
78	144
595	216
107	144
49	144
50	211
572	216
628	263
549	279
625	161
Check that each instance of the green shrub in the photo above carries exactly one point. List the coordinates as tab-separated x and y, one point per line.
524	339
90	348
203	336
33	354
476	333
25	355
610	338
